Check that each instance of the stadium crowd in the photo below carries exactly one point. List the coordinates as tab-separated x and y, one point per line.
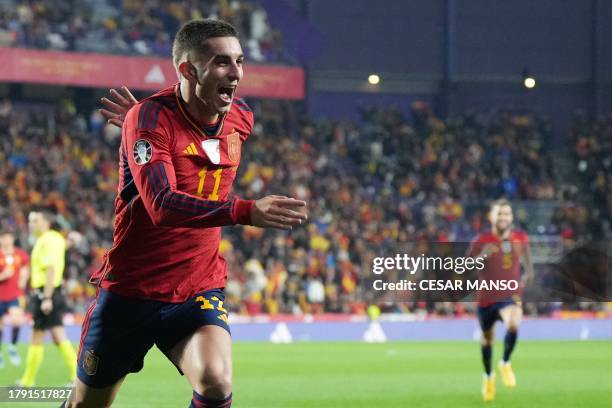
591	163
131	26
372	187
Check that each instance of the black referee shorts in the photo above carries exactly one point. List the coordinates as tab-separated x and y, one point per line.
46	321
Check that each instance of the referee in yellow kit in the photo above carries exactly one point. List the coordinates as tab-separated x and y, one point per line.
47	300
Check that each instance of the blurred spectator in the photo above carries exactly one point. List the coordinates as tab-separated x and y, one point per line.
143	27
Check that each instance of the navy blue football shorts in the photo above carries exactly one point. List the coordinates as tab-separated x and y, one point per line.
488	315
6	305
118	331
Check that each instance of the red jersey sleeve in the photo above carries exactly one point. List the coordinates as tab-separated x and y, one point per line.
148	141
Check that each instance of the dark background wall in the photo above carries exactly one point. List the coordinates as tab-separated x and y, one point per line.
463	54
388	36
496	37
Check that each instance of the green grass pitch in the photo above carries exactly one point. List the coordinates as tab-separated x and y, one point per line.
407	374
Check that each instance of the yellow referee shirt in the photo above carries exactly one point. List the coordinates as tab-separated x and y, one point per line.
49	250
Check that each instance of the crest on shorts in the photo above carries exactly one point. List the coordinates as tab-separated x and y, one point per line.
143	151
90	363
233	146
211	148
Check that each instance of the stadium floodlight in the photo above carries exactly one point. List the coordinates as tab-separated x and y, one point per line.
528	80
373	79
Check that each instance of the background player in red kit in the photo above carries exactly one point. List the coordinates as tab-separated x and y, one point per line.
505	249
162	281
13	277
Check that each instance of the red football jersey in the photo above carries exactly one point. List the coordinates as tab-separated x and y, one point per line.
503	264
9	288
173	197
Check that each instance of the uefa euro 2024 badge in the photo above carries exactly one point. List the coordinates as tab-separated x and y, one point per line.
143	151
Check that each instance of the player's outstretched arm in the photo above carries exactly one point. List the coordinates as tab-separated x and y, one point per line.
147	148
116	110
278	212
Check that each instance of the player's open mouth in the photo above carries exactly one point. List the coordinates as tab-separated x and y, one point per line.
226	93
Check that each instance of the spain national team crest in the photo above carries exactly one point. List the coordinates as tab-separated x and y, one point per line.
143	151
211	148
90	363
233	146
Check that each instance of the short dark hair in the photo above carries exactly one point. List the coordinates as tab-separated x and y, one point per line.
193	35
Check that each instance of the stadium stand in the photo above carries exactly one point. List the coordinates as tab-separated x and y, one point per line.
130	27
372	186
391	178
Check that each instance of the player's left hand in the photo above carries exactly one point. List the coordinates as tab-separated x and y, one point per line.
124	100
46	306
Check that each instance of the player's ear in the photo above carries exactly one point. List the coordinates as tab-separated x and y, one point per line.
188	71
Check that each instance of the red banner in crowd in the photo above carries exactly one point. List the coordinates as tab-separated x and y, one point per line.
143	73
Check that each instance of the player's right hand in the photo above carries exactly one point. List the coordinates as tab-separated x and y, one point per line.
278	212
124	100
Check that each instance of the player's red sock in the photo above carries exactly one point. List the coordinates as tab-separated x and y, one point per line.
509	343
486	358
200	401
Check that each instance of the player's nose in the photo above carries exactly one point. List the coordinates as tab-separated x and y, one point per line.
235	73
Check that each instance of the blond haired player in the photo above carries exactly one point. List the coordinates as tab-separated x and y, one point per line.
505	249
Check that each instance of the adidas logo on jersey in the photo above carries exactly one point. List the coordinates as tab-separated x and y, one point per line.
191	149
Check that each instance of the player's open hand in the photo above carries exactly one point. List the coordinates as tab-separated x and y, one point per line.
117	109
278	212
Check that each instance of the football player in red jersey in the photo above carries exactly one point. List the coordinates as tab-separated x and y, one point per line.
162	281
505	249
13	277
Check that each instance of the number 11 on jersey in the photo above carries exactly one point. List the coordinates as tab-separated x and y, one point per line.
213	196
